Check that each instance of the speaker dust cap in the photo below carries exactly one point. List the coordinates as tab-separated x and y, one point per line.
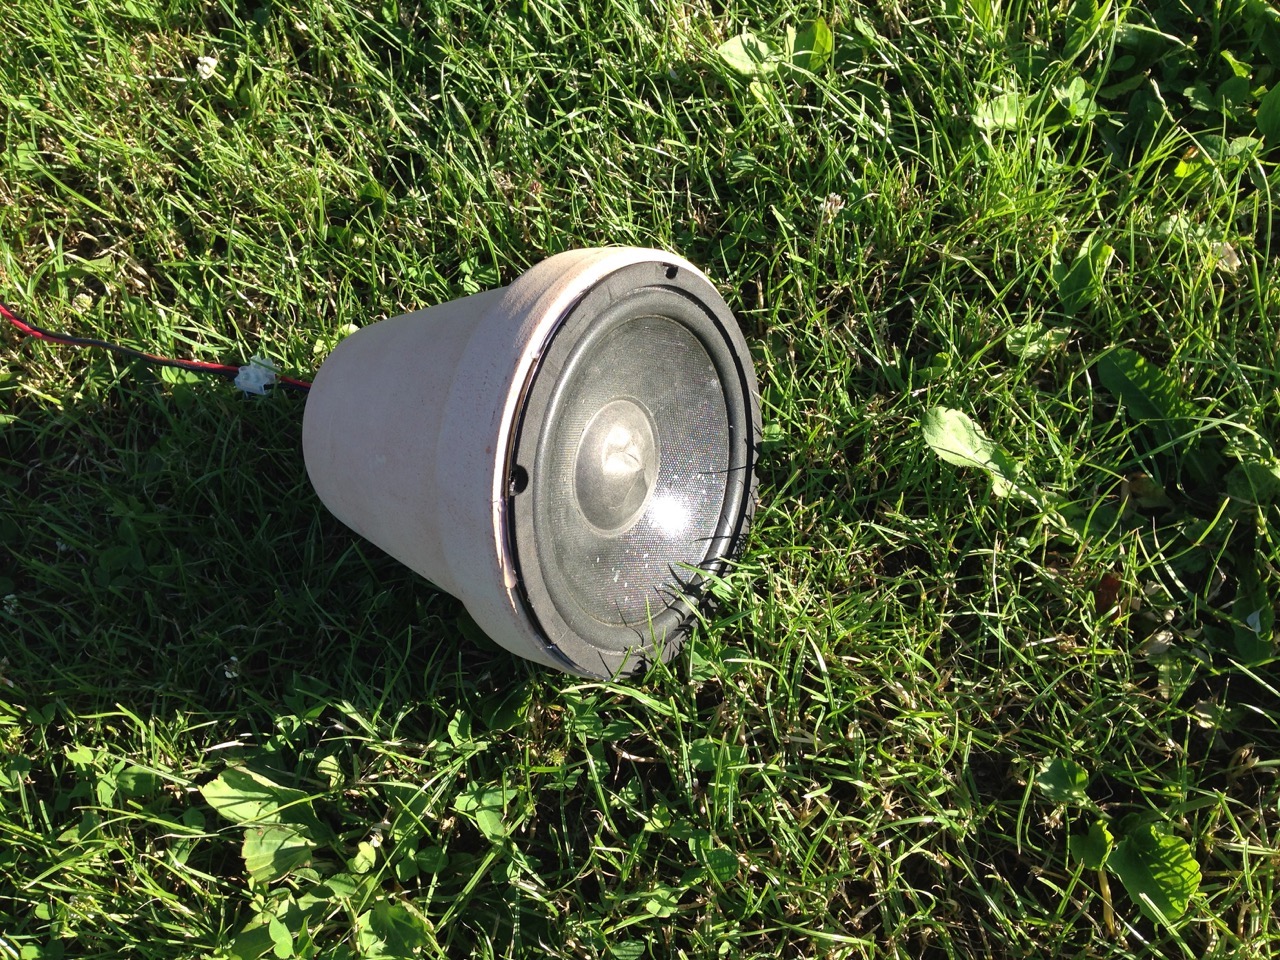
631	473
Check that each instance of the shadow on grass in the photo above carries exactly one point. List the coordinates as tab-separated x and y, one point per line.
166	553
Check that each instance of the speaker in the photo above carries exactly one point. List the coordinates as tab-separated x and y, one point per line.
570	455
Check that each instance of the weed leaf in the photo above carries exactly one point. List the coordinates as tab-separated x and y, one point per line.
662	901
748	55
1077	100
365	859
1253	607
954	437
1253	481
1153	396
281	939
720	862
1158	871
1062	780
810	48
431	859
484	805
1079	284
999	113
1092	848
1251	649
245	797
1035	340
138	782
1147	392
253	943
1269	115
707	755
401	929
274	851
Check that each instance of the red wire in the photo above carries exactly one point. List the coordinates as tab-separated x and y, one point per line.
196	365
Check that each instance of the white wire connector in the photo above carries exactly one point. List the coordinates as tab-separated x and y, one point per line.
256	376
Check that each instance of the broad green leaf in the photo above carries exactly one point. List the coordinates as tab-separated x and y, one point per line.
1127	85
274	851
484	804
402	930
811	47
1148	392
627	950
1073	92
243	796
584	721
345	886
999	113
138	782
281	939
864	30
706	755
1159	872
748	55
1231	153
1241	70
1062	780
252	943
1250	648
1200	97
1232	94
1269	115
1077	100
507	708
432	859
954	437
365	859
772	437
1244	148
1147	493
1254	481
1079	283
406	868
1253	607
662	901
330	767
459	728
1035	340
720	862
411	804
81	756
13	772
1153	396
1092	848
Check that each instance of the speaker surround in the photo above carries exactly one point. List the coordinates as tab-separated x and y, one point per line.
569	455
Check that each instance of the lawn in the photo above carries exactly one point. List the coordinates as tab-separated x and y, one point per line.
996	674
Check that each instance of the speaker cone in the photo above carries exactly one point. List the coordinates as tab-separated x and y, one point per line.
636	440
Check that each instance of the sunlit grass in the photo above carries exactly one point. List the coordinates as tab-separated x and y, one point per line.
843	763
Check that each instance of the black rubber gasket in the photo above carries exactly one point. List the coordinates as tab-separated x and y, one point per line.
652	288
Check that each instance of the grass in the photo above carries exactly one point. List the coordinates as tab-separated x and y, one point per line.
912	693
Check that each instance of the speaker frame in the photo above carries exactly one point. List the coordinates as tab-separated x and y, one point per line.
634	291
410	421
